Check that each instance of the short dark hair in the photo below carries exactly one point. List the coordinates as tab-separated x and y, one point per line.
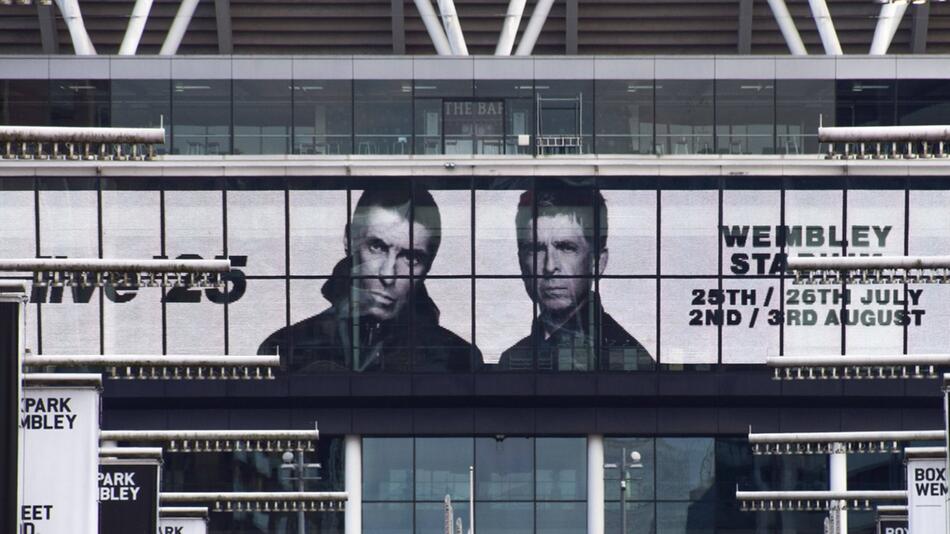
424	210
585	204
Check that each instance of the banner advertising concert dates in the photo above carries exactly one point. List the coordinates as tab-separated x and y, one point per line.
462	274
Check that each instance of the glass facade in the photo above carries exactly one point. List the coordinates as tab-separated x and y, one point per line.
491	117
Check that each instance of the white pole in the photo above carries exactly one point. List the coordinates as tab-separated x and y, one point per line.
433	27
353	484
826	28
506	40
471	499
82	45
133	33
595	484
533	30
887	23
787	26
838	475
177	32
453	28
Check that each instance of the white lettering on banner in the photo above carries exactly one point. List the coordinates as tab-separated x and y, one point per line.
118	487
926	490
895	530
182	525
60	463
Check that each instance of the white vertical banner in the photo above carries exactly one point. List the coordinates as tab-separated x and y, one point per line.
926	494
185	521
59	422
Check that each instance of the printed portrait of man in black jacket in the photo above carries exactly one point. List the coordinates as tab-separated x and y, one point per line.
562	249
381	317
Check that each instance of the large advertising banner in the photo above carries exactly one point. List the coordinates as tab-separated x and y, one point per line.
926	494
128	495
486	274
59	421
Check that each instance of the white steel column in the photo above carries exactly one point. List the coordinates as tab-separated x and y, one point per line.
433	27
353	484
453	29
595	484
533	30
887	23
133	33
506	40
826	28
838	479
82	45
787	25
177	32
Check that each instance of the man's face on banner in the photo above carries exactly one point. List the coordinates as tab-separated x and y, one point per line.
383	260
562	251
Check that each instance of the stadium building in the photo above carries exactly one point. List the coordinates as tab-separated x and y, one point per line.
523	241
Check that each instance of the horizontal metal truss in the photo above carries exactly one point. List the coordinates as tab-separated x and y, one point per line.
869	269
837	442
274	502
164	367
63	142
854	367
814	501
195	441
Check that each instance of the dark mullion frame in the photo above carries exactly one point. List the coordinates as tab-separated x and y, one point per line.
36	224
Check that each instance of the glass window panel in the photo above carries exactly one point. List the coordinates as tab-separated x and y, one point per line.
503	332
131	223
323	116
79	103
429	117
259	312
132	326
624	116
749	219
870	472
142	104
519	105
256	230
684	117
505	469
929	232
317	223
561	469
496	234
430	516
562	517
442	468
798	106
262	116
689	333
641	480
689	232
194	327
745	116
685	468
927	332
383	116
69	223
473	126
641	518
567	109
454	211
194	223
24	102
685	518
504	518
923	102
628	324
17	224
387	518
630	232
70	323
428	128
443	340
747	335
315	342
201	112
865	102
387	469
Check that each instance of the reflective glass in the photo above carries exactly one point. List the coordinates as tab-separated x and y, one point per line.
745	116
256	228
640	486
684	117
259	310
566	110
453	208
504	315
624	116
689	236
865	103
317	222
142	104
387	469
262	116
504	518
627	323
630	230
323	116
312	344
387	518
685	518
79	103
430	516
798	106
442	326
517	97
922	102
383	116
442	468
685	469
561	518
201	113
561	469
641	518
505	469
24	102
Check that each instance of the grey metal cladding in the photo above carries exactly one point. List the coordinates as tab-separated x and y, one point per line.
262	68
504	68
865	67
79	68
561	68
25	68
795	68
923	67
694	68
141	68
745	68
201	68
330	68
608	68
382	68
454	68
